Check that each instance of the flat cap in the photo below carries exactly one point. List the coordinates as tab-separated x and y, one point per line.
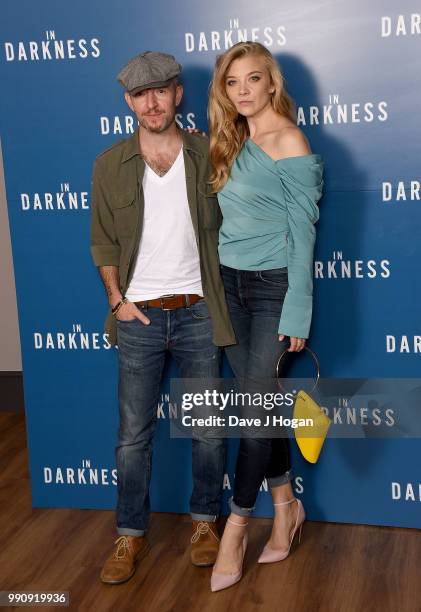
148	69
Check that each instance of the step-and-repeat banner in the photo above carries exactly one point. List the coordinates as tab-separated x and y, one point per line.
353	69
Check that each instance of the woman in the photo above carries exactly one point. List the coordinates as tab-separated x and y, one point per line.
268	185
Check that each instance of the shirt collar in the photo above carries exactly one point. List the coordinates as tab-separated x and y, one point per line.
131	145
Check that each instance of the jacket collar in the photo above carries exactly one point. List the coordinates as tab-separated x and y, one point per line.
131	145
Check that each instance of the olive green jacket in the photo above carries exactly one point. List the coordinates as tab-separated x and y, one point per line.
117	218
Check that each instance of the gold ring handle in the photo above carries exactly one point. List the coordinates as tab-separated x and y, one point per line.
315	360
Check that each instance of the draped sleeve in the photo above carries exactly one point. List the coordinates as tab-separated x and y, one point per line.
302	183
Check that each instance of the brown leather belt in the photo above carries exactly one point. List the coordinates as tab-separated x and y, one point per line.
171	302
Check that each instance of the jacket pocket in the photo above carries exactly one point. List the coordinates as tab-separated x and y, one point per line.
124	200
125	215
210	215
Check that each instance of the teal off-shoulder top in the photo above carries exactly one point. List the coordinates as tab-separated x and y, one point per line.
269	210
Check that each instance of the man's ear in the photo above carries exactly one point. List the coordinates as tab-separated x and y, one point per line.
128	99
178	93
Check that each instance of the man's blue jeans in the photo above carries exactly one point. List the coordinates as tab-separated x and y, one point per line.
186	333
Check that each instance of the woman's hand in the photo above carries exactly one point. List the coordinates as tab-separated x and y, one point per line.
296	344
195	131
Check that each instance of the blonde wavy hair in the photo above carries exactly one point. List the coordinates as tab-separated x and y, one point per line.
228	129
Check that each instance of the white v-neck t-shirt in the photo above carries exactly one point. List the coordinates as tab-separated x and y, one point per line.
168	258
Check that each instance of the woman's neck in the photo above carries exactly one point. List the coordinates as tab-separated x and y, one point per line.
266	120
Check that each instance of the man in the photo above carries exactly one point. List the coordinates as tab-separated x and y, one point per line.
154	239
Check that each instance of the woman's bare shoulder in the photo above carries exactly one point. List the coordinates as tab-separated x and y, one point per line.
290	141
285	141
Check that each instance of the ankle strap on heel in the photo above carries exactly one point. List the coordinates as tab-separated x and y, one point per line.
238	524
287	502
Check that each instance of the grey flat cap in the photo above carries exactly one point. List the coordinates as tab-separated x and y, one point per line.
148	69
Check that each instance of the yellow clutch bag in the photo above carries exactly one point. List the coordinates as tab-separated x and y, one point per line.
312	422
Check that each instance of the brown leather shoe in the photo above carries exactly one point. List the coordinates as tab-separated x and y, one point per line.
204	544
121	565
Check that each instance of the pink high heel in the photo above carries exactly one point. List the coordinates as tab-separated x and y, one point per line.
270	555
221	580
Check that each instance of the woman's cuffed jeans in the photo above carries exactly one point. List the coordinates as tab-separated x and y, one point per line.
255	301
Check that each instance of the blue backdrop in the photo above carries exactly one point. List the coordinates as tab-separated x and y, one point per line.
352	69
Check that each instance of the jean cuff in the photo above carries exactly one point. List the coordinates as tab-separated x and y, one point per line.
209	518
276	481
131	532
238	509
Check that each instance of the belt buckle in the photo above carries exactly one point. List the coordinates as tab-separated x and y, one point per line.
162	301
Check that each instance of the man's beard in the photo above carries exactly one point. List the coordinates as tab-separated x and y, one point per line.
168	121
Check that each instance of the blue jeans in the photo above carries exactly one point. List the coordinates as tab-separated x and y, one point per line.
255	301
186	333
